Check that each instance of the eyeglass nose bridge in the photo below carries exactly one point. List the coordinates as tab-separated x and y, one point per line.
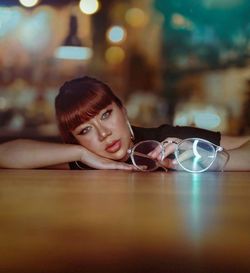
165	142
219	149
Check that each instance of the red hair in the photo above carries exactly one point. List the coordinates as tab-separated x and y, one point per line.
78	101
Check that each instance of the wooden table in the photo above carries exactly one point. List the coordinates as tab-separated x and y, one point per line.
114	221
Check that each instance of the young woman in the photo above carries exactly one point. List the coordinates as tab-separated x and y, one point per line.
97	134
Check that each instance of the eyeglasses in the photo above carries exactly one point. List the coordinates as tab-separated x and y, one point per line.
192	155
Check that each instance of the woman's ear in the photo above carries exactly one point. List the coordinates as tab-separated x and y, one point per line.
130	128
124	110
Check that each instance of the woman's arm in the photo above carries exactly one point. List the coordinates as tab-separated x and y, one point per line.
239	158
233	142
238	148
31	154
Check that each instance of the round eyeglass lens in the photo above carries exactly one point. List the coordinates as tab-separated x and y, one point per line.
141	158
195	155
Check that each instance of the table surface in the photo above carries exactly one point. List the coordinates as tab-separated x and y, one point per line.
117	221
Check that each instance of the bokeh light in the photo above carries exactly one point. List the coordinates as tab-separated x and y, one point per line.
207	120
73	53
114	55
35	28
89	6
10	18
207	117
116	34
180	21
136	17
28	3
181	119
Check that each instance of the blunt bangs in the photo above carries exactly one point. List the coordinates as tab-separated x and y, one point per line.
84	111
79	101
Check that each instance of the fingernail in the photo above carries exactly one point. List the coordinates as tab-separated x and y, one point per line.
174	162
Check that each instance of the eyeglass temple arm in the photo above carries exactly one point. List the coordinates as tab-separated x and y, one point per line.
146	156
142	155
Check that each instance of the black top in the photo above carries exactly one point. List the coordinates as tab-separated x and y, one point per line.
161	133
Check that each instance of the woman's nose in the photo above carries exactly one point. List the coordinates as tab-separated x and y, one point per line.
103	132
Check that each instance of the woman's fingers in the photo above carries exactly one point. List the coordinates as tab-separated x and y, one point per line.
122	166
168	150
108	164
184	156
168	163
98	162
156	152
170	145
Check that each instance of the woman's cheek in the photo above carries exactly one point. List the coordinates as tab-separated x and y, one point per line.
87	142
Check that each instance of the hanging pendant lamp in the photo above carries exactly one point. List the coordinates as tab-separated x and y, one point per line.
72	48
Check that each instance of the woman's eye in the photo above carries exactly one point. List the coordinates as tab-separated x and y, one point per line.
85	130
106	114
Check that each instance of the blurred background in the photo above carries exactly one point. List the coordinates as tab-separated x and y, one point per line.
174	61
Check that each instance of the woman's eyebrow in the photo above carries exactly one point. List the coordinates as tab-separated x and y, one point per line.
108	107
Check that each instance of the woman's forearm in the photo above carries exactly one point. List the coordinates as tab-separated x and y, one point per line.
239	158
36	154
233	142
31	154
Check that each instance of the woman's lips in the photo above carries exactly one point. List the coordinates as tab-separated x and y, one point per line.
114	146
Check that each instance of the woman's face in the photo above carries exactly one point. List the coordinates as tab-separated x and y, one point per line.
107	134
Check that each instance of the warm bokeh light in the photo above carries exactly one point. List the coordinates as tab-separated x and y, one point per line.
28	3
114	55
136	17
180	21
89	6
116	34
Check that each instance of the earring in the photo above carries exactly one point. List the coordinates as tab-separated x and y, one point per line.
131	130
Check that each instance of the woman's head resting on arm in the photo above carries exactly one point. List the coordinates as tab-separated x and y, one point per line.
88	113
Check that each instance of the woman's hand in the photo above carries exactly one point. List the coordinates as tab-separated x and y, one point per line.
94	161
169	145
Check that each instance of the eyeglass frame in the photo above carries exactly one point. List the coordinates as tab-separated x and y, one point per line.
216	148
